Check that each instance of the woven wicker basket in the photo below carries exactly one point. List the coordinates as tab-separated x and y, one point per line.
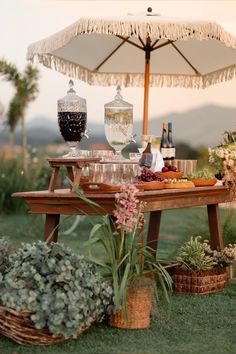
18	326
138	304
199	283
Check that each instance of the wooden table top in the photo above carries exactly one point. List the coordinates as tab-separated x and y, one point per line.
64	201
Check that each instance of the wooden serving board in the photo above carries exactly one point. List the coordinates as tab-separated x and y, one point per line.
100	187
108	188
153	185
188	184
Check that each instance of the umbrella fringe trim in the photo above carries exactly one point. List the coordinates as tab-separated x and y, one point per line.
202	30
129	80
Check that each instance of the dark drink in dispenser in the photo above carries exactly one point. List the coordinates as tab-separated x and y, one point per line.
72	119
72	125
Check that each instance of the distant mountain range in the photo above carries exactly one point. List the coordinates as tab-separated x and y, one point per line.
201	126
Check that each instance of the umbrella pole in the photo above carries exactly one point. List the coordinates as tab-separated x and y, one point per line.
146	86
146	94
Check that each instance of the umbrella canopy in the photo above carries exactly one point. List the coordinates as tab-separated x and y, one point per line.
140	50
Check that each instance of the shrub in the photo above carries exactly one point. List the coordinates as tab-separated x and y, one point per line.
12	179
62	289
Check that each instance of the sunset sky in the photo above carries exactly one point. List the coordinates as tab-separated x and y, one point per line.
25	21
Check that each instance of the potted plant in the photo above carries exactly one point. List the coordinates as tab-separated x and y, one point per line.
49	294
202	178
130	265
223	159
202	270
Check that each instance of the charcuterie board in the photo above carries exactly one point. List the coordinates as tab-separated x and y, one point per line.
177	185
94	187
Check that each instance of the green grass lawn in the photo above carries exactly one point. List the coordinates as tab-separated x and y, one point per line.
204	324
176	227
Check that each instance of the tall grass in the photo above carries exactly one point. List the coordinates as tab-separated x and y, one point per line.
13	179
229	226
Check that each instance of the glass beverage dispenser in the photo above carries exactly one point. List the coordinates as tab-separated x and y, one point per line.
72	119
118	123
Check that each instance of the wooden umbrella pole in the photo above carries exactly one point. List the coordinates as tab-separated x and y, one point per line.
146	86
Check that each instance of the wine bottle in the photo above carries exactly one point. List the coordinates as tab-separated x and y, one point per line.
147	156
171	145
164	146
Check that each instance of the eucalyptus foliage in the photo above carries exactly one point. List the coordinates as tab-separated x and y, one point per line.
5	250
62	289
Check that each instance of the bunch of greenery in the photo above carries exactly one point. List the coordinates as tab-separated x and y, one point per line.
204	173
193	255
62	290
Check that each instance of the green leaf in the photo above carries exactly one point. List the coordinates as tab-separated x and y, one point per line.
123	289
82	196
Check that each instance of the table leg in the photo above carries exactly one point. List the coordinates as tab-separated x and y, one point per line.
215	226
53	179
77	175
153	229
70	174
51	227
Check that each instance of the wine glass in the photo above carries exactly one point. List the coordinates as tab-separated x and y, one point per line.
118	124
72	119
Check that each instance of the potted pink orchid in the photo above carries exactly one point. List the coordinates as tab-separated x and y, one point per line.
128	261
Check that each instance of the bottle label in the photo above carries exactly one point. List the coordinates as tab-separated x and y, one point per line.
171	153
165	153
146	160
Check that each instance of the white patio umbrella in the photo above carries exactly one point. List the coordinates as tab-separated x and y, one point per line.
140	50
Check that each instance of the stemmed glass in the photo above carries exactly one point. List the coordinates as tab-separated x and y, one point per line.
118	124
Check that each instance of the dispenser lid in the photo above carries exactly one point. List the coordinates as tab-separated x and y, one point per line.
118	101
72	102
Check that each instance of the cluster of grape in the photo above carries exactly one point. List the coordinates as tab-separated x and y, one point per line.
147	175
169	167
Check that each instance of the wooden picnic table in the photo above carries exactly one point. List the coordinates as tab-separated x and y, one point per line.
66	202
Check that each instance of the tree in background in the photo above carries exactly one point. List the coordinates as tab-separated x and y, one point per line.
185	151
1	113
26	90
1	110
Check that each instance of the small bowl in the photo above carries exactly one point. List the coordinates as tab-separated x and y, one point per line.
203	182
170	174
